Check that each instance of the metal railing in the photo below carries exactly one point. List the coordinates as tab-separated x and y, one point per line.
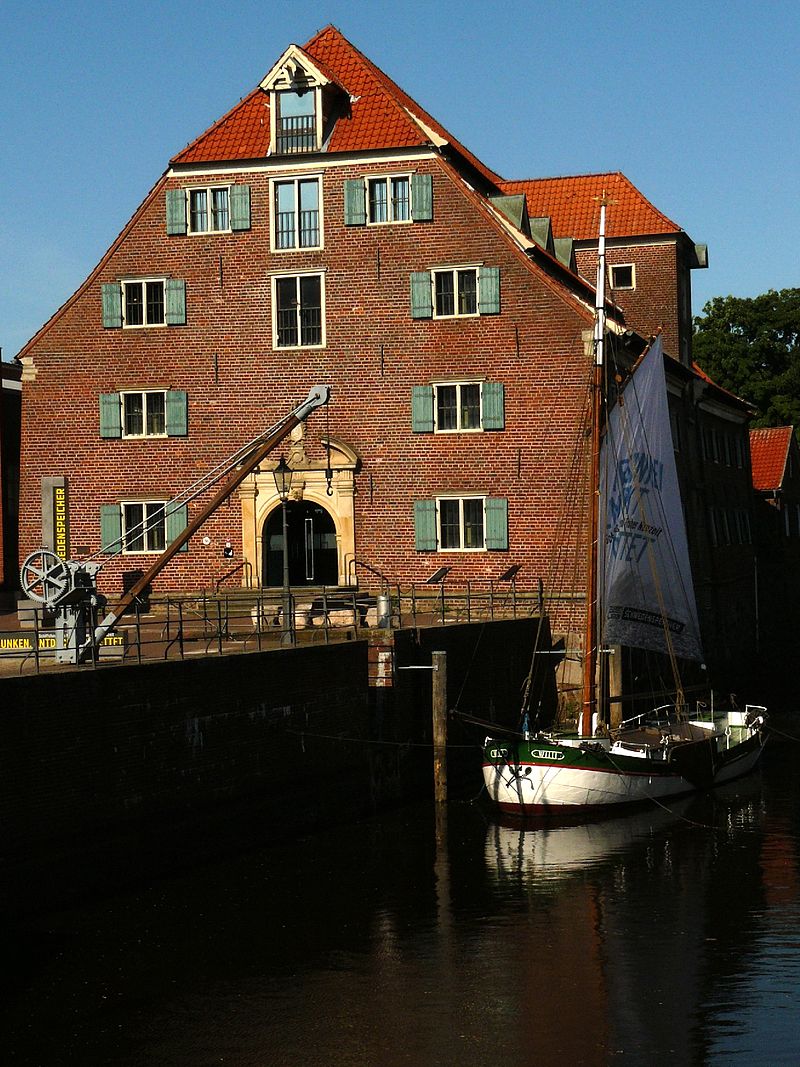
245	620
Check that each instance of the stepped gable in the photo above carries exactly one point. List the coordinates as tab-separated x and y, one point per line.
571	203
381	115
769	451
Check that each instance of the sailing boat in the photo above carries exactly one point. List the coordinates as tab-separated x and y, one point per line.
639	595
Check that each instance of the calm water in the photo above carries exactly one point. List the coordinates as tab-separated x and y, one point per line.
663	937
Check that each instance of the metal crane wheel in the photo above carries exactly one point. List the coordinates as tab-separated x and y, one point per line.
44	576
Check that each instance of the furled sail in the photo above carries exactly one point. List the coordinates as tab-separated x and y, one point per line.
647	596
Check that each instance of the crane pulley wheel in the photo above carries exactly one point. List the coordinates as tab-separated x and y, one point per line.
44	576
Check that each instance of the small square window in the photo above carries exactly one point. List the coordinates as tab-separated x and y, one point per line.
623	276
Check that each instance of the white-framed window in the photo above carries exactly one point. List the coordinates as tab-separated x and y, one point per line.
455	292
463	291
296	213
457	406
209	209
143	526
298	316
143	302
623	276
144	414
468	523
389	199
296	120
460	522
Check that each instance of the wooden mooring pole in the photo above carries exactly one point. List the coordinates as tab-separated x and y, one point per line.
439	704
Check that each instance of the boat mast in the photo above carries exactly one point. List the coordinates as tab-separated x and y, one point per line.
589	711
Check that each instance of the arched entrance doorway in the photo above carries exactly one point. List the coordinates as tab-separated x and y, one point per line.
311	535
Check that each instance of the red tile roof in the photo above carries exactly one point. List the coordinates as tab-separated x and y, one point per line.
572	205
379	113
769	450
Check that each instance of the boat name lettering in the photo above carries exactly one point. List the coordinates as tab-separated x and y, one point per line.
546	753
497	753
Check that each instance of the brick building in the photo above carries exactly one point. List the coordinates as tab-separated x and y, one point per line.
327	229
10	413
776	481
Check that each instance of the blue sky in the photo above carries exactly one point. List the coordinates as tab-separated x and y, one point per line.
697	103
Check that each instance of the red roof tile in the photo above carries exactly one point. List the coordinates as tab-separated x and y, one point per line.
769	450
572	205
242	133
379	113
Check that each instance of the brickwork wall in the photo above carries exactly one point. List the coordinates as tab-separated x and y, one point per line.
85	751
238	383
655	300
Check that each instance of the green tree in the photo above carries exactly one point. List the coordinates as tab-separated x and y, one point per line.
751	347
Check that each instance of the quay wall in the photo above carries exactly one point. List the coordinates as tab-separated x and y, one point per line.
110	772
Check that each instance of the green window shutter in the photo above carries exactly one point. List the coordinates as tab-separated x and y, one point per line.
425	525
355	203
110	529
176	211
112	305
240	207
496	523
489	291
493	397
177	413
421	295
110	415
176	519
422	197
422	409
175	296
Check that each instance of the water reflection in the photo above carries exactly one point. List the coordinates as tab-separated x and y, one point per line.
661	936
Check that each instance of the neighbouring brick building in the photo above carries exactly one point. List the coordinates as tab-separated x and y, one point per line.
776	481
10	413
327	229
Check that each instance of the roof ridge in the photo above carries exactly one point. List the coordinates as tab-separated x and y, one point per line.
618	174
564	177
406	105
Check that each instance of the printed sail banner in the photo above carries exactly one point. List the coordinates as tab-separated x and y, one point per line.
647	596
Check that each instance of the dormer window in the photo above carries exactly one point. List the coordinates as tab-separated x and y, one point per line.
296	121
302	102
